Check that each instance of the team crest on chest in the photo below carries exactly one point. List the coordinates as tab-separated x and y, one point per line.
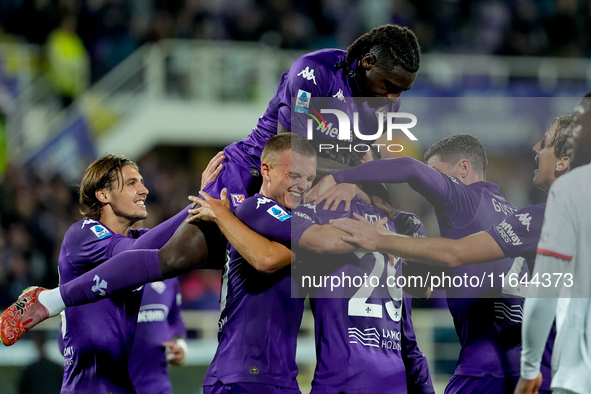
237	199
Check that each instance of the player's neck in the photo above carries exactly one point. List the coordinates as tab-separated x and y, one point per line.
472	177
117	224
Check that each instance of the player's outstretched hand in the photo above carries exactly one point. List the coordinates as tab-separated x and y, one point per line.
25	313
527	386
213	169
210	209
361	231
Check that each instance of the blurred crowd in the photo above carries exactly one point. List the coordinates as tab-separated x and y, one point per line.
112	29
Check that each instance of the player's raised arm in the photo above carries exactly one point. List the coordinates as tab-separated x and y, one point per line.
260	252
476	248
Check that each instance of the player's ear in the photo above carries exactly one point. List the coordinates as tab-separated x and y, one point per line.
465	167
368	61
265	169
102	195
563	164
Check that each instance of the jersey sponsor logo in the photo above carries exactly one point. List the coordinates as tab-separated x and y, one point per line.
505	230
100	285
237	199
501	206
221	323
263	201
371	337
308	73
88	221
69	355
339	95
277	212
513	313
152	313
302	101
100	231
525	219
302	215
159	287
68	351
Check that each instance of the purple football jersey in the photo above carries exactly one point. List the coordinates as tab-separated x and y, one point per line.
159	320
259	319
488	322
518	237
97	337
365	340
315	76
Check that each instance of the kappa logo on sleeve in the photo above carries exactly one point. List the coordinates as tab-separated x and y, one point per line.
100	231
88	221
237	199
525	219
262	201
277	212
339	95
308	74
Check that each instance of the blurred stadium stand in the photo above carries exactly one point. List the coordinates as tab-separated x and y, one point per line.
172	82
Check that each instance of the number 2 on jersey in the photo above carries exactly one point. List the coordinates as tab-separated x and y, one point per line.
358	305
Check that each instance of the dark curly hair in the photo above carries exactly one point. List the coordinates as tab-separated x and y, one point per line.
392	45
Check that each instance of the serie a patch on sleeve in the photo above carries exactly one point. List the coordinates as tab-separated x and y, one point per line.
278	213
302	101
100	231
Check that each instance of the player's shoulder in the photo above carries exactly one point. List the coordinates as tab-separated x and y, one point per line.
88	229
533	210
322	57
405	216
307	210
526	219
409	224
262	207
317	66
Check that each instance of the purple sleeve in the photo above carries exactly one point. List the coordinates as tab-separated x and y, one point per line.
303	219
306	75
430	183
153	239
89	242
177	325
519	234
407	223
266	217
418	377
